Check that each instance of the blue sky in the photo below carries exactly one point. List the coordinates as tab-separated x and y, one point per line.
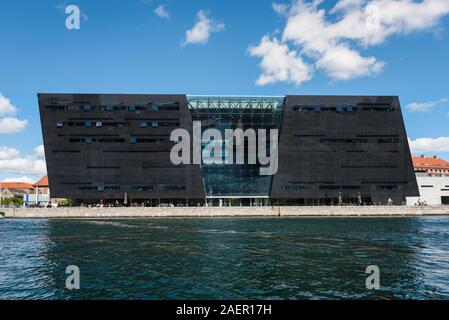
221	47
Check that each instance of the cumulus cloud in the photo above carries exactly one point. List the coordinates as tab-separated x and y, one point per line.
161	12
12	125
6	108
429	145
12	162
8	153
8	123
280	8
39	151
334	39
20	179
202	29
279	63
424	106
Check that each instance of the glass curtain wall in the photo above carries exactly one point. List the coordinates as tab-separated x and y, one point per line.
221	113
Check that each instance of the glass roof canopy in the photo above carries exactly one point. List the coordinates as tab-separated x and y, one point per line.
235	103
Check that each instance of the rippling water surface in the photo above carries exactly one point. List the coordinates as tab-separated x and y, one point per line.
235	258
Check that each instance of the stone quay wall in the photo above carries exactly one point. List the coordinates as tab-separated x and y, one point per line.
150	212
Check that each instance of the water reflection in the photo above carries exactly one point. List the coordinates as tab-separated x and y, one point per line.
269	258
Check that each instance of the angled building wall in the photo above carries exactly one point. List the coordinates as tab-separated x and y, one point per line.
331	148
102	146
344	147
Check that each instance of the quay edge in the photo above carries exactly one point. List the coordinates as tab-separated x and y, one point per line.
152	212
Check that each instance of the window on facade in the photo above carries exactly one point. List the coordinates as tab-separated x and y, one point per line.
109	108
388	140
154	107
143	124
317	109
133	140
382	187
60	124
100	188
88	124
132	108
99	124
88	140
155	124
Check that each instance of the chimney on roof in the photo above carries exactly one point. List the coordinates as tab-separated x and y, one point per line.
422	156
435	157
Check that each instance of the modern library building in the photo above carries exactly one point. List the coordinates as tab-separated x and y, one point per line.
116	149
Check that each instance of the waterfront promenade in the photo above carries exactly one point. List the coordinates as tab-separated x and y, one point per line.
140	212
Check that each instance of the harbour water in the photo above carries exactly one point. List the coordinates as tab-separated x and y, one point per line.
225	258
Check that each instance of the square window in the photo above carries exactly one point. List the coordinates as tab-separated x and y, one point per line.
154	107
317	109
100	188
99	124
88	140
143	124
59	124
109	108
87	107
133	140
155	124
88	124
132	108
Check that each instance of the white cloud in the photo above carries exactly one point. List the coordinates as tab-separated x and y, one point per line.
424	106
39	151
11	162
9	124
429	145
204	26
6	108
20	179
279	63
280	8
162	12
8	153
12	125
344	63
334	40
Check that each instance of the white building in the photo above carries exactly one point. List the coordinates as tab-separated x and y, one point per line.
432	175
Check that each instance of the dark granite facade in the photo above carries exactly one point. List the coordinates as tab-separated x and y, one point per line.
101	146
331	149
344	147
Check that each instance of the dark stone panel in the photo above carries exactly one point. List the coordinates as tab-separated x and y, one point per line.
332	145
101	146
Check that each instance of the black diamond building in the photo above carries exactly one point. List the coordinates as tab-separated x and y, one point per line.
332	149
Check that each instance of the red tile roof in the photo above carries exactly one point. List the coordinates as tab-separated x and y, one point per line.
430	163
43	182
16	185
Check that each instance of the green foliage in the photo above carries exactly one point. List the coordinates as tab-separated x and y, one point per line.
65	202
14	201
